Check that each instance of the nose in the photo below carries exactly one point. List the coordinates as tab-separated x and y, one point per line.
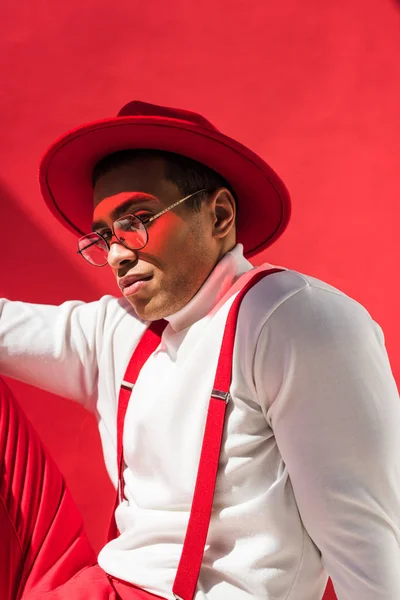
118	254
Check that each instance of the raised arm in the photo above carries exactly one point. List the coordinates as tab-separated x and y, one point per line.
53	347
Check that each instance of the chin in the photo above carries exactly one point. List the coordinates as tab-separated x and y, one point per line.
148	310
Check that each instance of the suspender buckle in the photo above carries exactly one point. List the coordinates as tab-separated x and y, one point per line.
225	396
127	384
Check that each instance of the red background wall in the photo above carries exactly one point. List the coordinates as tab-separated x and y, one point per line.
312	86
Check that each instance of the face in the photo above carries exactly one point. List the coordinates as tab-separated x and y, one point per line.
183	245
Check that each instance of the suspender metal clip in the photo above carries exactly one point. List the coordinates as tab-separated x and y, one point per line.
127	384
225	396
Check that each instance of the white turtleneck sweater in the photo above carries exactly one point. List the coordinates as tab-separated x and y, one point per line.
309	476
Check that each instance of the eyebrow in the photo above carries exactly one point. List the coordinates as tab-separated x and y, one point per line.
121	209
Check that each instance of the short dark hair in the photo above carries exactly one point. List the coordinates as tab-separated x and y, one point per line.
187	174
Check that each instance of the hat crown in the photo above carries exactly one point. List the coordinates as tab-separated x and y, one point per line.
136	108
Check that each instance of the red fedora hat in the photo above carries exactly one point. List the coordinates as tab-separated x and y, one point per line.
65	172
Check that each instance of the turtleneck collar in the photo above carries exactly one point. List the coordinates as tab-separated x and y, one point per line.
232	265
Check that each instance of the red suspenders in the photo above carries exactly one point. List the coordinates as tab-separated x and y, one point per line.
196	534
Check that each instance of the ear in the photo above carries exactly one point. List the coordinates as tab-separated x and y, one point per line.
224	212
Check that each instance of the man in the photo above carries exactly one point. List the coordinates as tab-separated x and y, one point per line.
308	482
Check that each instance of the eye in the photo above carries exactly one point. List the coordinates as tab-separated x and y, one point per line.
127	223
105	233
143	214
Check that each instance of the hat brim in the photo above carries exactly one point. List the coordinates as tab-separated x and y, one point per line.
65	172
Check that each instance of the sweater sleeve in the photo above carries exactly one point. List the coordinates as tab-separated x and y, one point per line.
327	390
54	348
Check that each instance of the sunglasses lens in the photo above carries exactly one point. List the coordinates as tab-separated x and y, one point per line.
94	249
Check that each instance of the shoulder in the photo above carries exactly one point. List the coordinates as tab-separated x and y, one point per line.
111	313
295	304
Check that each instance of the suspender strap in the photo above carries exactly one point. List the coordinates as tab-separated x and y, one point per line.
147	345
196	534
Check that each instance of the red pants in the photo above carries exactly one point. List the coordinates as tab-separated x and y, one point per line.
44	551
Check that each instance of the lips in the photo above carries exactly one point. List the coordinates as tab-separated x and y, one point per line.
129	280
